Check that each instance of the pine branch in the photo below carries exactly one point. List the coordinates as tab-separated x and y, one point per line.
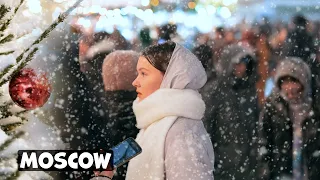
7	39
3	11
5	111
8	103
5	25
27	59
24	62
6	53
11	127
15	136
17	8
8	21
14	175
21	112
6	70
60	19
22	65
19	58
7	158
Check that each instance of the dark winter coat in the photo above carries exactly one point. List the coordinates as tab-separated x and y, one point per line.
118	124
300	44
232	112
118	72
276	129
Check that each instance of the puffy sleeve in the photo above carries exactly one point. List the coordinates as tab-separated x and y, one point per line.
189	156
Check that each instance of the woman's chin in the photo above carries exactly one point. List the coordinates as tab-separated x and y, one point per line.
140	98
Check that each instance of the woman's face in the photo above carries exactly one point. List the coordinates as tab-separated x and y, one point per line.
292	89
148	80
240	70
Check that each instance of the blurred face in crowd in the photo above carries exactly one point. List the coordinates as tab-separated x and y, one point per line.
229	37
282	35
291	87
239	70
148	80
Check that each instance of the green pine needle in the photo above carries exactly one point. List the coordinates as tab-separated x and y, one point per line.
7	39
3	11
13	176
19	58
17	8
60	19
6	70
15	136
6	53
10	127
22	65
8	21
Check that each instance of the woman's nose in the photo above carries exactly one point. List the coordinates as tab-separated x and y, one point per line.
135	82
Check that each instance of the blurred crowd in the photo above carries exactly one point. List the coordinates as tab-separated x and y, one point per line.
262	95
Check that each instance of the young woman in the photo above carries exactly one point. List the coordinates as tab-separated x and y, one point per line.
168	111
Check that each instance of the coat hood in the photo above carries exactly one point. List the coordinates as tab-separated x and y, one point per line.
184	71
296	68
231	55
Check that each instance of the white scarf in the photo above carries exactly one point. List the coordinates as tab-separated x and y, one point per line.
155	115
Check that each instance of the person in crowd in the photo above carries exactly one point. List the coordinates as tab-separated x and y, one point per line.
300	42
289	137
94	58
249	38
205	55
118	72
229	37
315	70
232	114
145	38
263	51
119	40
168	110
266	27
167	32
218	43
278	42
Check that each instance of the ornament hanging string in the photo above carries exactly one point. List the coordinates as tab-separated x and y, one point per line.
22	63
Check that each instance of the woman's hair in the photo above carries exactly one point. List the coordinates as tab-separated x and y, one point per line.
250	63
159	55
290	78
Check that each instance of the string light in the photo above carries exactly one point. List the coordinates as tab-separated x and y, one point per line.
192	5
154	2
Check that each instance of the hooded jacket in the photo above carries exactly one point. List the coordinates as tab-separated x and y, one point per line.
174	142
231	115
276	126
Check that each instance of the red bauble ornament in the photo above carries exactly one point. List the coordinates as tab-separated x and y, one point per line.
28	89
